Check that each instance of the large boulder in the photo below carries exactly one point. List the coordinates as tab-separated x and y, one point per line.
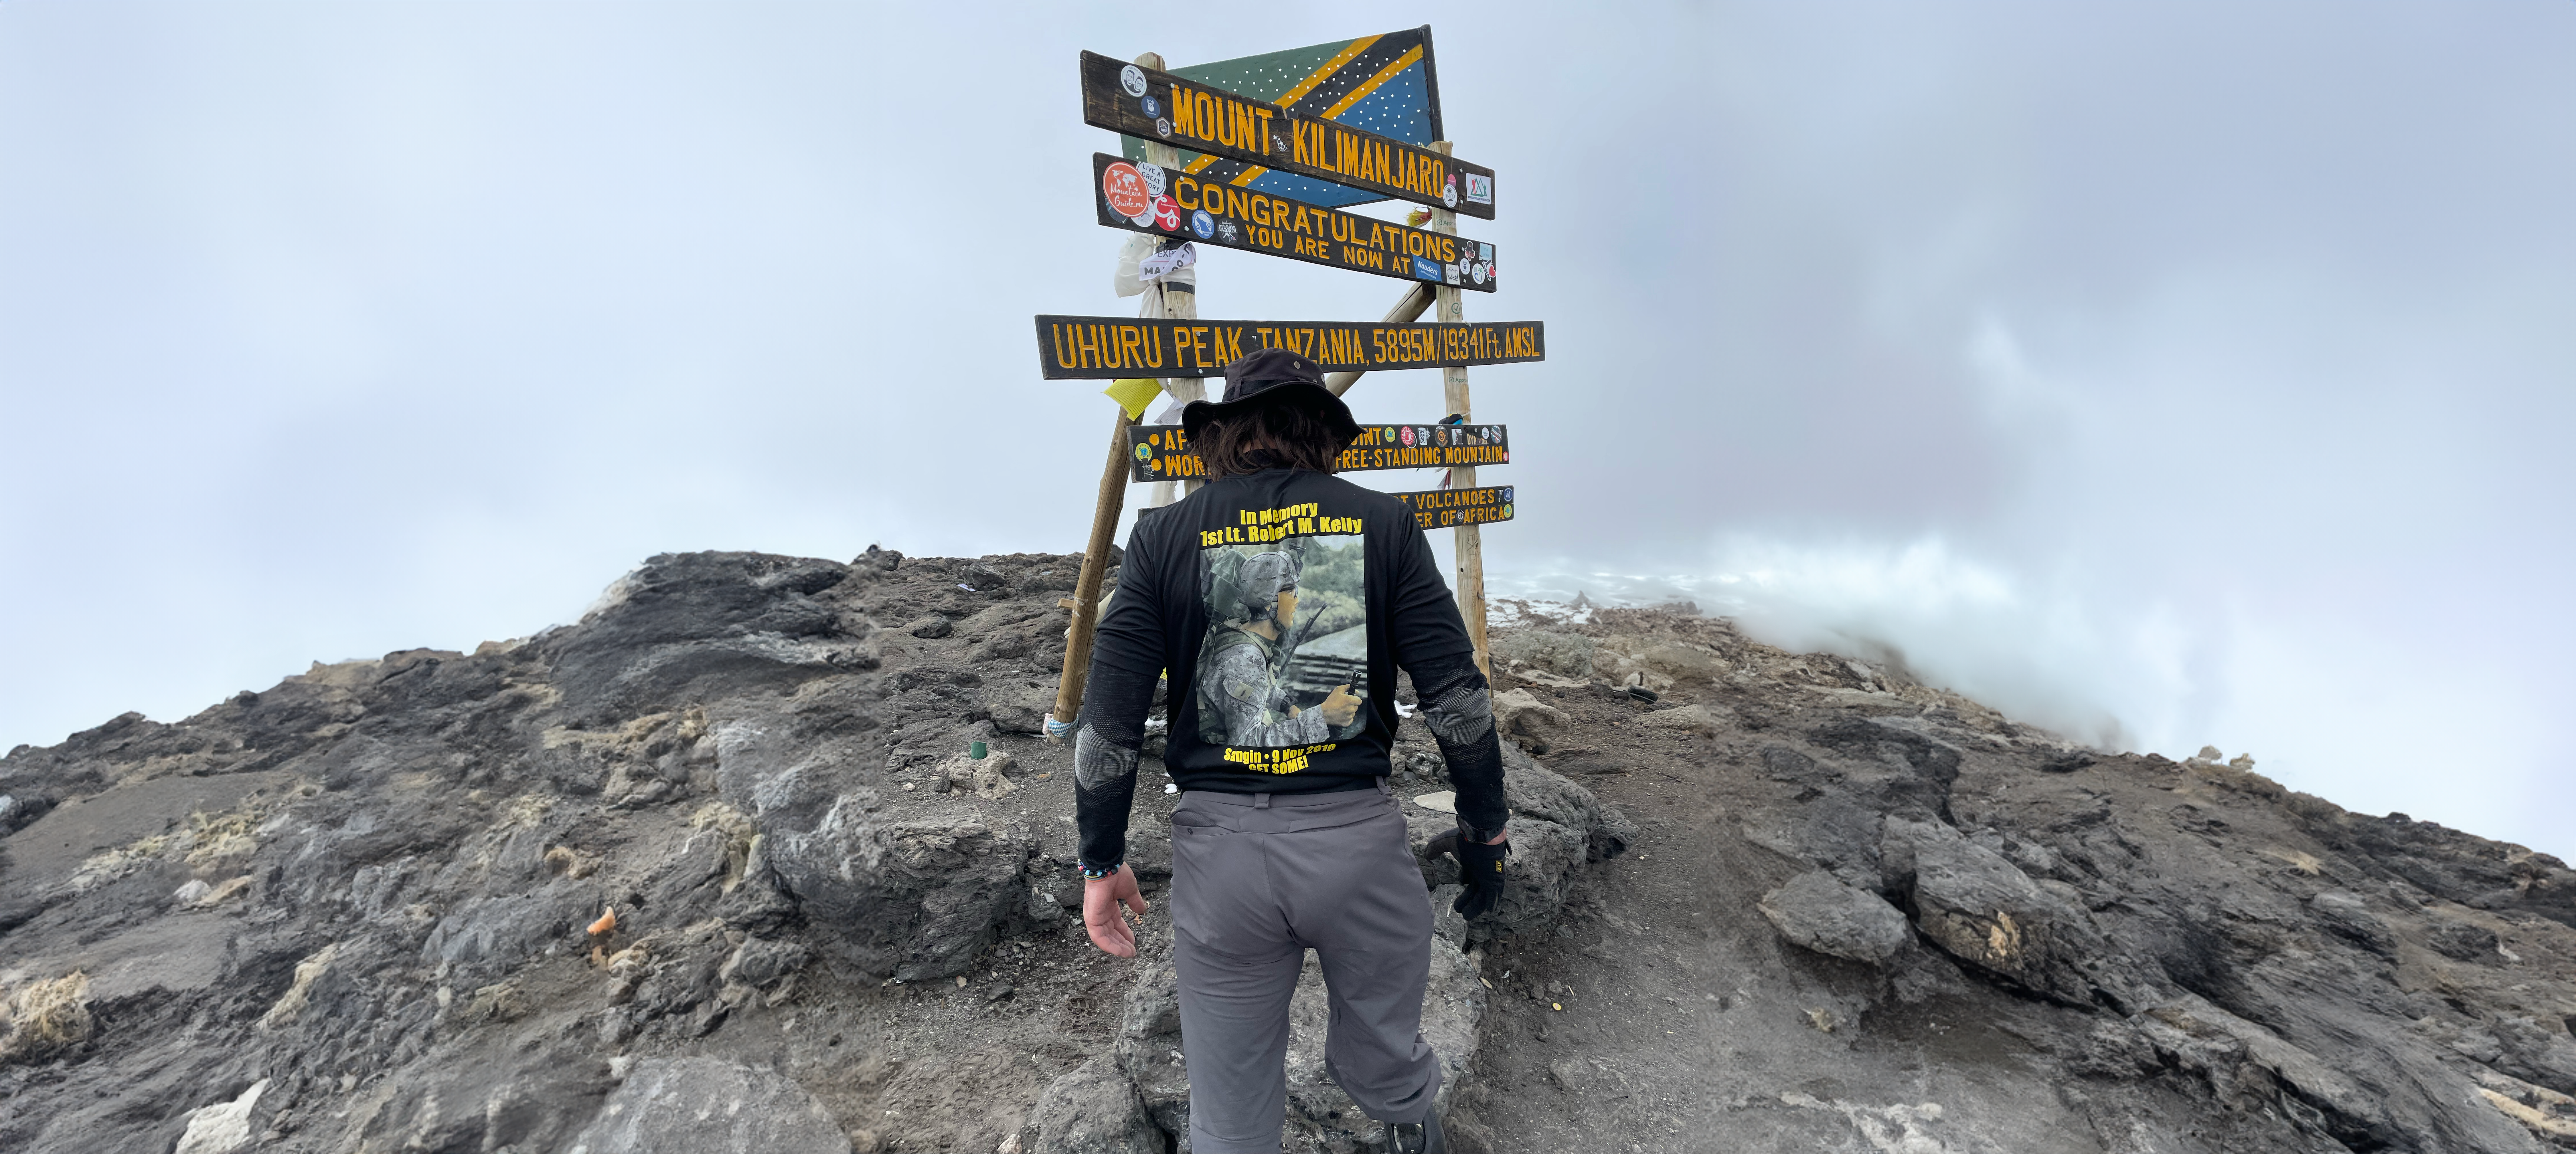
1523	720
1981	909
910	899
1820	913
1095	1110
529	1101
1556	826
709	1106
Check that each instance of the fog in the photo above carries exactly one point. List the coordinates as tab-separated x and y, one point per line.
2166	375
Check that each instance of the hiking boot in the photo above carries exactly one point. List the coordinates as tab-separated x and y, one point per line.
1421	1137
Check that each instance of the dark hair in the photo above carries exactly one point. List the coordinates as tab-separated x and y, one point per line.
1285	436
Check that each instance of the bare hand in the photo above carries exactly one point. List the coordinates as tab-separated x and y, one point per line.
1340	706
1101	898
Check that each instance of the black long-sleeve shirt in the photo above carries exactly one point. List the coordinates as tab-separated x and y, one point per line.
1259	681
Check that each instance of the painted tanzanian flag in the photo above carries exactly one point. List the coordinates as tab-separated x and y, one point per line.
1385	84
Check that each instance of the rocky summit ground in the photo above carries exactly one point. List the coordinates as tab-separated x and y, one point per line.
710	871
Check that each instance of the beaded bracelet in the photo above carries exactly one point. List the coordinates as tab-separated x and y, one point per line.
1092	873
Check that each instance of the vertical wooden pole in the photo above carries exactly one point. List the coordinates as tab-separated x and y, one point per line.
1086	588
1449	308
1112	501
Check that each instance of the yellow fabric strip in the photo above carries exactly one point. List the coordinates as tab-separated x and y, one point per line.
1385	74
1133	394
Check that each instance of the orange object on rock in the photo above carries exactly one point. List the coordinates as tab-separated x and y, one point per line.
607	923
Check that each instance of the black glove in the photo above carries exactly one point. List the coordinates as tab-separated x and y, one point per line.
1480	868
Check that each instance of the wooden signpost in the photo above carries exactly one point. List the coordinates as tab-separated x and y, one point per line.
1243	190
1109	348
1162	452
1154	105
1459	509
1149	198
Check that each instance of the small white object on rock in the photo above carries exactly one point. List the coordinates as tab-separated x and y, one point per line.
1444	801
223	1127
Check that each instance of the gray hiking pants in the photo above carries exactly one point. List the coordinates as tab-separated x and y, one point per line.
1257	880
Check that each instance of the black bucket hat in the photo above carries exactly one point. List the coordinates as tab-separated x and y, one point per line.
1272	377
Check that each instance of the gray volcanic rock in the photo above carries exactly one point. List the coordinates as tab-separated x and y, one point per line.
2149	955
708	1106
597	887
911	900
1095	1110
1822	914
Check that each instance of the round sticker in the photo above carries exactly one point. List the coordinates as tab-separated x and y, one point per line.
1480	274
1167	214
1132	79
1124	188
1153	107
1202	224
1507	498
1143	453
1449	193
1507	510
1406	436
1154	177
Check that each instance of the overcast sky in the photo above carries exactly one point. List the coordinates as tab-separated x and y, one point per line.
2167	374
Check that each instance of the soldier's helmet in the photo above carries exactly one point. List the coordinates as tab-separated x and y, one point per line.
1257	587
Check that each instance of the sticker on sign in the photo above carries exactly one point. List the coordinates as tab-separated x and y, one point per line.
1125	191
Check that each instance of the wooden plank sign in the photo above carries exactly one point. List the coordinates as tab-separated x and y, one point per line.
1163	452
1450	508
1158	106
1108	348
1388	83
1149	198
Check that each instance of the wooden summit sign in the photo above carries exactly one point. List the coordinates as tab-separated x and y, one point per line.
1450	508
1108	348
1163	452
1157	106
1150	198
1387	83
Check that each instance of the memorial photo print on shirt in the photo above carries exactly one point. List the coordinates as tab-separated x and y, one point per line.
1285	661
